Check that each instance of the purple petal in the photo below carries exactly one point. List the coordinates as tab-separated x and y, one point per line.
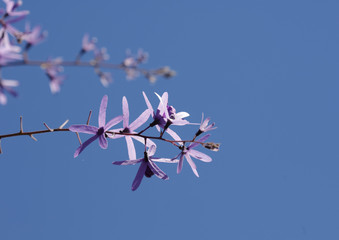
199	155
173	134
83	129
3	98
181	161
140	120
113	122
192	164
131	148
203	139
151	150
125	112
139	176
149	105
102	111
157	171
128	162
103	142
84	145
149	142
165	160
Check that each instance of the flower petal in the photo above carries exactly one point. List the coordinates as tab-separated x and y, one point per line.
165	160
128	162
140	120
151	150
149	105
125	112
181	161
102	111
157	171
84	145
203	139
131	148
113	122
192	164
174	135
139	176
103	142
83	129
199	155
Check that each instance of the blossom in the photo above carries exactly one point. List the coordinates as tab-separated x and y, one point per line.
11	7
34	36
189	152
100	55
87	44
53	68
129	128
160	115
105	78
6	85
147	166
99	132
204	127
8	52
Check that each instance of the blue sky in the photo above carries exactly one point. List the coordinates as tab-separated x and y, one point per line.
265	71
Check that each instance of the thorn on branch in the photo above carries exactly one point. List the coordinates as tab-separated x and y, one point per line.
78	138
31	135
21	127
51	130
89	117
62	125
0	147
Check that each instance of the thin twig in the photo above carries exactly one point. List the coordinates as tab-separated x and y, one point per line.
62	125
21	127
89	117
78	138
33	137
51	130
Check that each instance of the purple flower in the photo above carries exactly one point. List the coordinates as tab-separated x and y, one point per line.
11	7
8	52
100	55
189	152
34	36
53	68
6	86
204	127
88	44
105	78
160	115
99	132
147	166
129	128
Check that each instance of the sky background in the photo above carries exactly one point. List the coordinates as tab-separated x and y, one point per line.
265	71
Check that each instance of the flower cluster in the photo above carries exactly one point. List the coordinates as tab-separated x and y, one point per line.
15	45
162	118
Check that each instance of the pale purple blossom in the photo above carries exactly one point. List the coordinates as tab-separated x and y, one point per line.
105	78
52	68
99	132
33	36
130	128
8	52
6	86
188	152
88	44
11	7
204	127
147	167
159	115
100	55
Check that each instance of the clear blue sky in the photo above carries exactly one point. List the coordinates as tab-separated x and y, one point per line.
265	71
